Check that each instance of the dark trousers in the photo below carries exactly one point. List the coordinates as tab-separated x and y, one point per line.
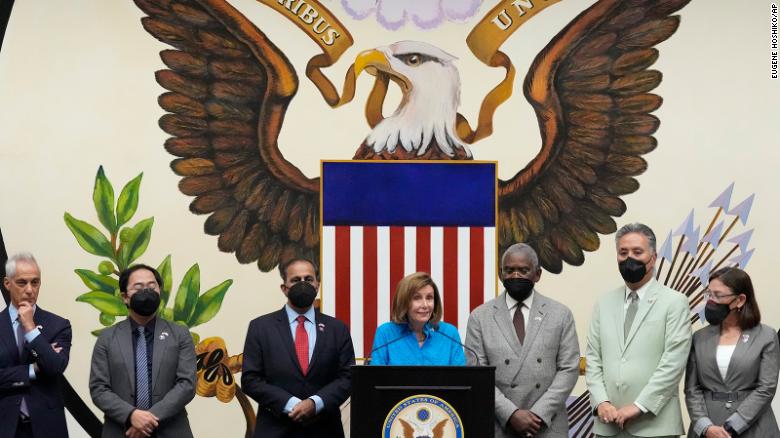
24	429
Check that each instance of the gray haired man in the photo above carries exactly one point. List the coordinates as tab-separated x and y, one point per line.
638	345
34	352
532	342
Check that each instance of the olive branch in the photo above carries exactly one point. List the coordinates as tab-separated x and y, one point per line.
120	247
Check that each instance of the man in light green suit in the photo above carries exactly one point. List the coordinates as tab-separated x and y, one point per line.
637	347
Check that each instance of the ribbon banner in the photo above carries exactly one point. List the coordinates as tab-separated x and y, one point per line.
485	40
330	34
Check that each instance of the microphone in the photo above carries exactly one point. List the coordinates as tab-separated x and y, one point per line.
368	359
476	356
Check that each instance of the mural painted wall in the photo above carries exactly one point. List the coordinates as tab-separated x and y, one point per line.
79	93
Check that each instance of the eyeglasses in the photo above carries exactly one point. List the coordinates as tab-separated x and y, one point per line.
709	295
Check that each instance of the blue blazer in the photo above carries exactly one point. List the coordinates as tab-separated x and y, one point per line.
396	344
43	395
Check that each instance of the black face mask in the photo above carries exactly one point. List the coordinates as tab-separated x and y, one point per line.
632	270
715	313
518	288
145	302
302	294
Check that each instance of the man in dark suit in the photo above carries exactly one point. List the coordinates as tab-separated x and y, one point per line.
143	368
34	352
297	362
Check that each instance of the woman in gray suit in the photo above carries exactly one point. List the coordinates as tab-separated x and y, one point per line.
733	365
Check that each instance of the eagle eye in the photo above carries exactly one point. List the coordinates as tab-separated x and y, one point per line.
412	59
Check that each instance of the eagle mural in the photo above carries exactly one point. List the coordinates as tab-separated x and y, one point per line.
229	87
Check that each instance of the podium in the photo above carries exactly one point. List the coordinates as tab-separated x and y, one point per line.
411	401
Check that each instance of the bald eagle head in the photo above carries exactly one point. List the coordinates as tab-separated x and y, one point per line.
430	84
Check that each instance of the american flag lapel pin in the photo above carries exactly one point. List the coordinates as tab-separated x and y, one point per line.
321	327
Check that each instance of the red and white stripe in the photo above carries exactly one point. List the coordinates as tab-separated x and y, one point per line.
361	266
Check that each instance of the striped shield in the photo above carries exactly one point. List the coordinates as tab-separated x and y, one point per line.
383	220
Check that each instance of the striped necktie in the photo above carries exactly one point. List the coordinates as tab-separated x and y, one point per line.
143	399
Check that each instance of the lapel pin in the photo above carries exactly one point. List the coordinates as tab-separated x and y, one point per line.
537	318
745	338
163	335
39	327
321	327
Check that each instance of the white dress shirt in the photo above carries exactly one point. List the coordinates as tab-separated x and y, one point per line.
723	357
511	304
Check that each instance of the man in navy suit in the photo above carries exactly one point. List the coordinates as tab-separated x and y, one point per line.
34	352
297	362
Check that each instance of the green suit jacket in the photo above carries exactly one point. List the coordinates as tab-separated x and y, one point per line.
644	368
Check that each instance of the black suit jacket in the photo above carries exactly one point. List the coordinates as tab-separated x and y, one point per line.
43	395
271	375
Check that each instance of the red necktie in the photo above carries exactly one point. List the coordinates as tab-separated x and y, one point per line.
302	344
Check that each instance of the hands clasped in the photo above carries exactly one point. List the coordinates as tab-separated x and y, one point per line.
525	423
609	414
143	423
303	411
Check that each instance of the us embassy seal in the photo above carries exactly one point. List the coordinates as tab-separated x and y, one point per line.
422	416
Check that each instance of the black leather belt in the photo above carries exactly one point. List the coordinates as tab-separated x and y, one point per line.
725	396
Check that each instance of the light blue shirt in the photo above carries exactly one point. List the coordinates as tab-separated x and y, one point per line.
396	344
13	313
292	316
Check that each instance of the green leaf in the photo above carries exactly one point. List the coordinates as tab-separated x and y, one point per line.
107	320
139	240
195	338
98	331
89	237
187	295
109	304
128	201
96	281
103	197
209	303
165	272
167	314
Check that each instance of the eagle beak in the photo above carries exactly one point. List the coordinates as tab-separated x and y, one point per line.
375	63
371	61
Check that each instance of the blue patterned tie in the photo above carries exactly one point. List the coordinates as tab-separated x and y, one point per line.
20	345
142	398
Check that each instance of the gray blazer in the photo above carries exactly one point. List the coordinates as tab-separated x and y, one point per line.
752	373
112	378
537	375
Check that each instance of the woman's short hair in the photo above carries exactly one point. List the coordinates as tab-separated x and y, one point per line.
739	282
405	291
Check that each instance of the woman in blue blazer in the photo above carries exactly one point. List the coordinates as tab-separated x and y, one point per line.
416	335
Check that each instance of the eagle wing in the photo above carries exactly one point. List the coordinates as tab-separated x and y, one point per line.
438	430
590	88
228	90
407	428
